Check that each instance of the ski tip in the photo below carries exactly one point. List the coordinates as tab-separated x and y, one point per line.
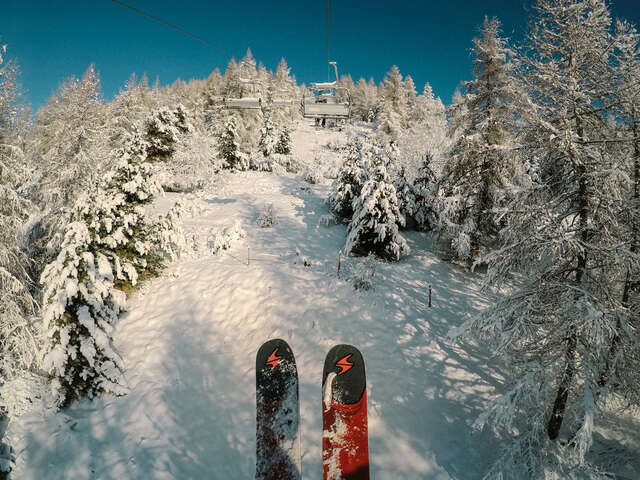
276	370
275	355
349	382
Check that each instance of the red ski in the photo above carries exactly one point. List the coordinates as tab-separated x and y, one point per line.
345	441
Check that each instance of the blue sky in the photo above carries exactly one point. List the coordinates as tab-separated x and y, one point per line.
430	40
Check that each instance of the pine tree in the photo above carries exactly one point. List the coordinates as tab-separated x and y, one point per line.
392	110
364	100
228	147
425	189
68	139
376	217
625	376
353	173
409	88
394	93
405	194
268	135
481	167
231	86
130	107
284	84
283	146
247	69
107	247
163	129
18	342
557	325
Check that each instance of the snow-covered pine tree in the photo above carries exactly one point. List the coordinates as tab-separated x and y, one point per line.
283	146
374	228
268	134
68	140
346	87
231	86
163	129
107	247
425	189
364	100
347	186
405	194
626	376
409	88
558	324
248	72
80	309
129	108
19	343
212	90
389	122
228	147
481	164
429	114
392	110
394	92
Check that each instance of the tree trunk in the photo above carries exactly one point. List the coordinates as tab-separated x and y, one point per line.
560	404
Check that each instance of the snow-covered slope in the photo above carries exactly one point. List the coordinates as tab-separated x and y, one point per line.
190	337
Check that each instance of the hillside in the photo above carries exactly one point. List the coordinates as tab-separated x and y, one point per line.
189	341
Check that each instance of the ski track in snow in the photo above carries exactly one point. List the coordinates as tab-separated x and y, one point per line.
190	338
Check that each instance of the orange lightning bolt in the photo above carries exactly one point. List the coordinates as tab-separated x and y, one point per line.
273	360
344	364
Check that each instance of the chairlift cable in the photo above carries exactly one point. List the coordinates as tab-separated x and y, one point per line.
175	27
328	40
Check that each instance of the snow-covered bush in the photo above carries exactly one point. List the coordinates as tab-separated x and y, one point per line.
362	276
260	163
267	217
328	220
290	163
312	174
226	238
169	239
301	259
337	145
376	218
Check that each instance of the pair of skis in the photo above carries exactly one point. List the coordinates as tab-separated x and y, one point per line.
345	448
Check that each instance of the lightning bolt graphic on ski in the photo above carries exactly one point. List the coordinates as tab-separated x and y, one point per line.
273	359
344	364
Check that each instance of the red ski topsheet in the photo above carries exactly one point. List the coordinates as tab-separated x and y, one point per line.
345	444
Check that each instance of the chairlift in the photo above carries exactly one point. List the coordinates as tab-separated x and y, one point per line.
251	102
324	105
254	100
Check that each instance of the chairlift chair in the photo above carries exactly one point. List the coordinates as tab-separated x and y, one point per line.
323	105
251	102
